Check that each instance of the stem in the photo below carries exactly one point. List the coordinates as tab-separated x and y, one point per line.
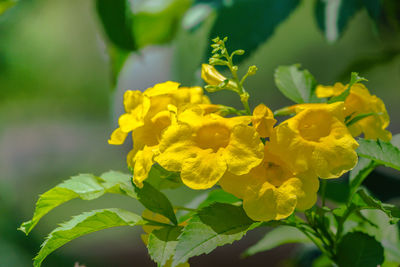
320	247
323	191
184	208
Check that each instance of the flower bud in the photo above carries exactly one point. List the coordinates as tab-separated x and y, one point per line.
212	77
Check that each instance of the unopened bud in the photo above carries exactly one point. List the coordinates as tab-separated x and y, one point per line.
252	70
212	77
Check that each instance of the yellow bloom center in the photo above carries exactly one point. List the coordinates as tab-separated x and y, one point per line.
315	126
214	136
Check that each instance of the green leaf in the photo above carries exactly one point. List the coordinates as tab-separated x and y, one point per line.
84	224
155	22
365	201
162	243
382	152
248	23
163	179
276	237
213	226
359	173
156	201
116	17
334	15
358	249
83	186
297	85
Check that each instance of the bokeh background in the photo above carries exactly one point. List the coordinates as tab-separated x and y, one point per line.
59	101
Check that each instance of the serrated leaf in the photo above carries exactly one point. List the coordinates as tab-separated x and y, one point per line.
213	226
83	186
163	179
156	201
382	152
258	21
162	243
365	201
116	17
297	85
84	224
359	173
333	16
358	249
276	237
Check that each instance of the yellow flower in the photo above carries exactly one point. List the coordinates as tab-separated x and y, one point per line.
263	120
358	102
147	116
203	147
317	141
271	191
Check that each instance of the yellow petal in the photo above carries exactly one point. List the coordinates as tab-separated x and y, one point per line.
263	120
204	170
176	145
143	161
244	151
162	89
128	122
117	137
307	196
327	91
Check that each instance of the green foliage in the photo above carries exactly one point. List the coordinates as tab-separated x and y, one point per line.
213	226
157	25
248	23
6	5
358	249
360	173
382	152
116	18
156	201
162	243
333	16
363	200
276	237
84	224
163	179
297	85
83	186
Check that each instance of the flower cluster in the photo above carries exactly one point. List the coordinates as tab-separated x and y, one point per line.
274	168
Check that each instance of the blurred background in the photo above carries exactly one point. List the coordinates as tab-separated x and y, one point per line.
63	73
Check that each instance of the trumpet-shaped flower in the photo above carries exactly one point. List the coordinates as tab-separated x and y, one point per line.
203	147
271	191
147	116
359	102
263	120
317	141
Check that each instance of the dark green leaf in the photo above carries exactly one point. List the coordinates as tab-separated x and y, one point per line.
333	16
84	224
248	23
359	173
116	17
358	249
365	201
213	226
276	237
162	243
382	152
373	7
83	186
155	201
297	85
163	179
157	23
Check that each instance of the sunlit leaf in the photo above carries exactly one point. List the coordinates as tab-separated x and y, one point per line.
83	186
382	152
84	224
